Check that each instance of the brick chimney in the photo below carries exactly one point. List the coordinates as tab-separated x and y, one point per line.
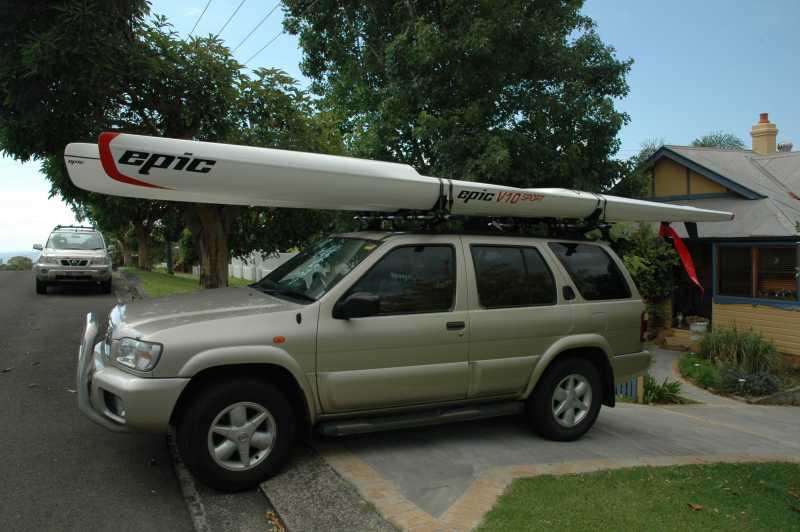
764	135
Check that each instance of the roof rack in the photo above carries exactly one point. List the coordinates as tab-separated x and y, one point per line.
75	227
439	222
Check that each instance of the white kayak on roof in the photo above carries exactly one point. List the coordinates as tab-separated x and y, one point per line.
156	168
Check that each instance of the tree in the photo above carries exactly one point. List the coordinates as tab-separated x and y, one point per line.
138	76
517	92
19	264
635	182
718	139
61	65
128	219
650	260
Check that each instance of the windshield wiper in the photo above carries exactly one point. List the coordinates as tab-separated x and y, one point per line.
284	292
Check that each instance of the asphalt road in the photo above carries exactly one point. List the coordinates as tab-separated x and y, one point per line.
59	471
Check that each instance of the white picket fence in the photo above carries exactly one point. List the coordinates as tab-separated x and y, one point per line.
254	266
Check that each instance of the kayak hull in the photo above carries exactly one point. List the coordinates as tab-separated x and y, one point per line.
206	172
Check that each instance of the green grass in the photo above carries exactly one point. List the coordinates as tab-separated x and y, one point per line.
157	284
733	497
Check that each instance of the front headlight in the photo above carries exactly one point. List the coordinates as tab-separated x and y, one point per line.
49	260
100	262
139	355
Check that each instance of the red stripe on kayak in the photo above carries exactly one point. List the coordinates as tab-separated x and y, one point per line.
683	252
107	160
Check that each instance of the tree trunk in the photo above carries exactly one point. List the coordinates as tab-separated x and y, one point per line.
168	256
211	225
127	255
143	239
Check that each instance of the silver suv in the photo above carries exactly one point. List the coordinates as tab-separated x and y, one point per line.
370	331
73	254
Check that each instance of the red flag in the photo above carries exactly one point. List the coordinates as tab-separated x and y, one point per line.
683	253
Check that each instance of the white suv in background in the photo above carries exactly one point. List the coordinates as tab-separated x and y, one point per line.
73	254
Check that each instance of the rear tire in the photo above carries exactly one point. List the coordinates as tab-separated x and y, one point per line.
253	429
41	287
566	400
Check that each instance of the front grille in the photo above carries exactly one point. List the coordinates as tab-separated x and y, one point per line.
74	262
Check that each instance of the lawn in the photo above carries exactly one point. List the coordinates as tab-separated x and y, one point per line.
696	497
157	284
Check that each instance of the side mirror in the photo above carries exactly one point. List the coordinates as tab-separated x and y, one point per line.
111	249
357	305
37	247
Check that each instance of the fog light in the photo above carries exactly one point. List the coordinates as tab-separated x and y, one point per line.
114	404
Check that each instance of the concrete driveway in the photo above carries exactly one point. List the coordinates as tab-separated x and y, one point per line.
447	477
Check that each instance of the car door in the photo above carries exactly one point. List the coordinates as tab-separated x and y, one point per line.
414	350
516	312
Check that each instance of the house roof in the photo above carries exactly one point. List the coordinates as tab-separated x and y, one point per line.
765	190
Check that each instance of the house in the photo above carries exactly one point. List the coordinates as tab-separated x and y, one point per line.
748	266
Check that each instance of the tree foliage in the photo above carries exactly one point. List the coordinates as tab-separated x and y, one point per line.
636	181
17	263
650	260
91	66
516	92
718	139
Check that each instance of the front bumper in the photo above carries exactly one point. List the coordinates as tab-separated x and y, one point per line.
143	404
630	365
56	274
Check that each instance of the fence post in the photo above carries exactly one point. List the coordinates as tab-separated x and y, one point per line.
640	389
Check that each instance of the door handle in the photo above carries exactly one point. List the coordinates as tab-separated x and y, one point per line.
455	325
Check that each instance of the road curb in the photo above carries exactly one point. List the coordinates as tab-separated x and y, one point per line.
197	512
310	495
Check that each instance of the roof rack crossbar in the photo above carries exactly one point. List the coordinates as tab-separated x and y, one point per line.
86	227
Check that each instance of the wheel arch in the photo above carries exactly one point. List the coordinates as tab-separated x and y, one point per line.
277	375
592	347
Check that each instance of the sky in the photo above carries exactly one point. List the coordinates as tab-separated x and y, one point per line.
698	67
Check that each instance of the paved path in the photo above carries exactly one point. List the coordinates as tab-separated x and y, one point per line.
447	477
60	471
665	365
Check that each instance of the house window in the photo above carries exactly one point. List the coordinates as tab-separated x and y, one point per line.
759	272
777	273
735	271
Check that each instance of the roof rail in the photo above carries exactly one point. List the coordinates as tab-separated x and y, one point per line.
84	227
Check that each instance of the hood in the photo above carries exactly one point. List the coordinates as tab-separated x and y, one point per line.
74	253
151	315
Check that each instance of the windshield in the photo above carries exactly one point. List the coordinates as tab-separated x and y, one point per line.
310	274
66	240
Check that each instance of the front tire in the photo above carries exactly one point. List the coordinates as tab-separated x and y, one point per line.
41	287
566	400
105	287
236	434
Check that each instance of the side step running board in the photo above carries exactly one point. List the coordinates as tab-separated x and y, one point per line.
418	419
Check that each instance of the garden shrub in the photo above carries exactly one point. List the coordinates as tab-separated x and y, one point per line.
747	351
734	381
666	392
700	370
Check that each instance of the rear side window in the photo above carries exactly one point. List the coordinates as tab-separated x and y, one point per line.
512	277
412	280
593	271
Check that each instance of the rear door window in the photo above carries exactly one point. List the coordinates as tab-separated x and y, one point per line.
512	277
593	271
